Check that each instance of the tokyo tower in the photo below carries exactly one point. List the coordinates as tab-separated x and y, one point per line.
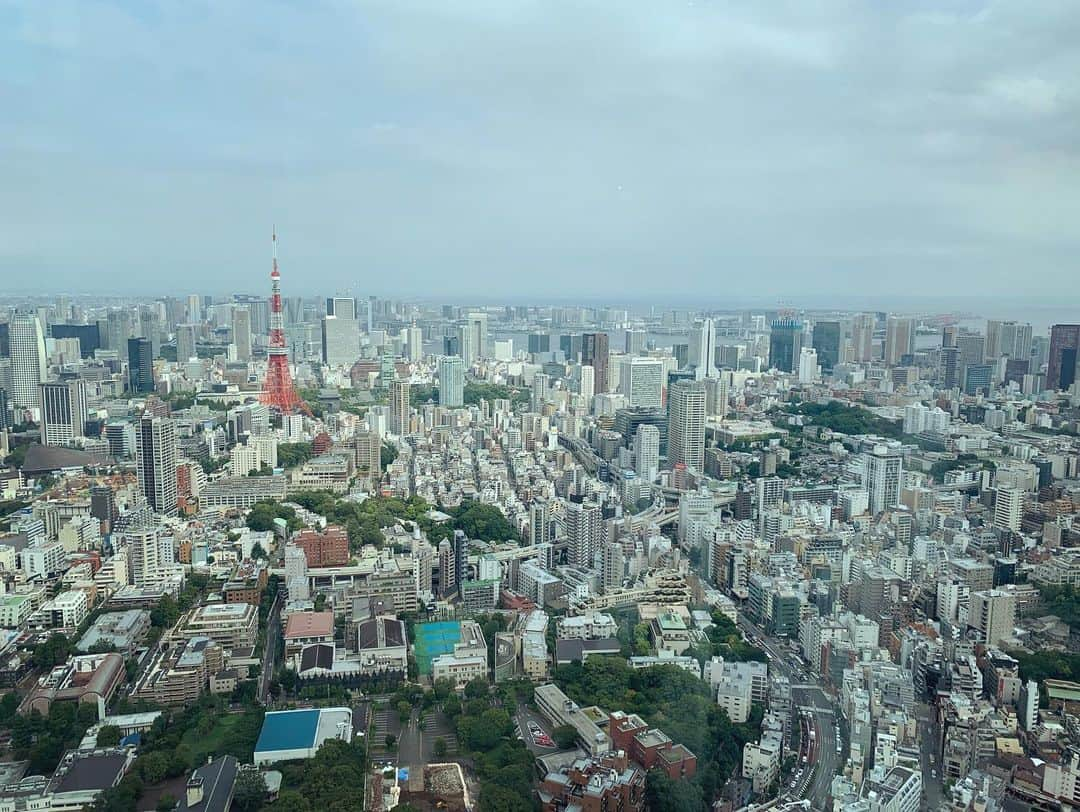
278	390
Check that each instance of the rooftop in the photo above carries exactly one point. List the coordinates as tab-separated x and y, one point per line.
309	624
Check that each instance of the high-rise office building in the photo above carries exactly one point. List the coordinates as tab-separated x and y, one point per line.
594	351
478	326
686	424
1008	509
467	344
400	412
571	346
1007	338
541	391
63	411
978	379
413	339
634	342
340	341
587	382
194	309
185	343
342	307
140	365
29	363
155	459
950	367
150	329
1062	365
641	379
702	349
971	346
144	555
827	339
647	452
539	342
785	343
862	337
241	332
451	382
583	525
899	339
539	521
88	334
884	473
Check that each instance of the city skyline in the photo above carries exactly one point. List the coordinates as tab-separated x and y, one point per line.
419	149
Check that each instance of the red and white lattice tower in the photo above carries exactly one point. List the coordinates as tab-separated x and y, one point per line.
278	390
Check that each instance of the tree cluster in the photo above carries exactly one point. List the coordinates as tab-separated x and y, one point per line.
262	515
678	703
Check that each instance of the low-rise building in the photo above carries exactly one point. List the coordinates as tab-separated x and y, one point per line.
650	747
232	625
124	631
180	671
608	782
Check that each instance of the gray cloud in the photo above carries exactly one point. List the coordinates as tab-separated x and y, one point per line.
705	149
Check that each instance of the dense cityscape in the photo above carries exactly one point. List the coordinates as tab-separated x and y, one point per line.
286	552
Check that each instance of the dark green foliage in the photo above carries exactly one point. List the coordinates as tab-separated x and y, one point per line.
250	791
726	641
564	736
262	514
1043	665
674	701
845	419
329	781
108	736
387	454
54	651
290	455
475	392
1062	601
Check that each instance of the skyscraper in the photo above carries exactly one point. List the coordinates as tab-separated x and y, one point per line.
29	363
950	367
826	341
583	522
647	452
185	342
884	473
414	343
539	342
451	382
899	339
155	458
140	365
642	381
541	390
686	424
399	408
144	555
862	337
241	331
342	307
63	411
634	342
785	342
340	341
594	351
702	349
587	382
1062	365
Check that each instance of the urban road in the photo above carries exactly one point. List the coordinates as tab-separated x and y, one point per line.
815	784
273	635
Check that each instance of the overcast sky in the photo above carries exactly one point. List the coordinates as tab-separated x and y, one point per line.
612	150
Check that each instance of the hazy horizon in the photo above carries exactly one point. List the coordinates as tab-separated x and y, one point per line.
517	151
